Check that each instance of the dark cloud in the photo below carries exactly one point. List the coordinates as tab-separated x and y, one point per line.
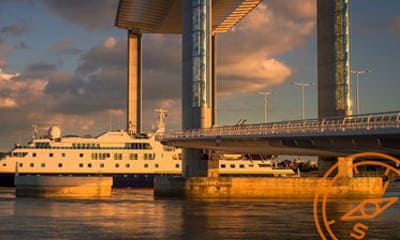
66	47
97	84
14	30
162	62
21	45
91	14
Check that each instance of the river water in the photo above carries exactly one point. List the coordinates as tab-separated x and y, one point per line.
135	214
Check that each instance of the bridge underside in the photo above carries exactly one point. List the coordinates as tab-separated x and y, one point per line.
322	146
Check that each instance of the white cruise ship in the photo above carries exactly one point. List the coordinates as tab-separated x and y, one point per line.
132	160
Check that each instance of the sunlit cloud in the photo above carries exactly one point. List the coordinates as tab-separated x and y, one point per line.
7	76
110	42
7	103
395	25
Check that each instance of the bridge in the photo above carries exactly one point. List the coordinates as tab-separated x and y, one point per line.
329	137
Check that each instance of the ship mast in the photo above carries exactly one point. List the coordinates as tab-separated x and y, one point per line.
159	125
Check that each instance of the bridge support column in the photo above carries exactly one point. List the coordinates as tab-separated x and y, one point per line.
345	167
134	104
213	165
196	79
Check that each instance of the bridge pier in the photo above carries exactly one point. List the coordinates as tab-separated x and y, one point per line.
344	166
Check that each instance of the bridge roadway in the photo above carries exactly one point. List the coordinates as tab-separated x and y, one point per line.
331	137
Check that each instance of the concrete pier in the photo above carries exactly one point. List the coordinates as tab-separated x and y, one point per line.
62	186
263	187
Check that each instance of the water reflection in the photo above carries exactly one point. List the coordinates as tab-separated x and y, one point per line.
134	214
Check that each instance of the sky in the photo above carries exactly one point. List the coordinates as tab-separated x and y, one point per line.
63	63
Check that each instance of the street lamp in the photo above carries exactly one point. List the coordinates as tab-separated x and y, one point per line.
266	95
302	85
357	73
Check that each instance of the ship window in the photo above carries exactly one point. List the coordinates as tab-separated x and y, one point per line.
79	145
263	165
232	166
80	154
19	154
62	154
33	154
156	165
117	156
89	165
241	165
117	165
51	154
251	165
127	165
31	165
147	146
60	165
223	166
101	165
177	165
81	165
146	165
43	165
133	156
4	164
20	165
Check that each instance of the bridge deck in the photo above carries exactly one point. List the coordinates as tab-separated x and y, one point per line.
326	137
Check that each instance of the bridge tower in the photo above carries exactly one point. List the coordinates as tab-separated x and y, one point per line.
334	99
196	78
134	104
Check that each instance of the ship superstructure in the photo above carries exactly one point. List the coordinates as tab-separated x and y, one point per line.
133	160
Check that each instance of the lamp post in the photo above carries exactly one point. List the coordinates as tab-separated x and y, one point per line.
357	73
302	85
266	95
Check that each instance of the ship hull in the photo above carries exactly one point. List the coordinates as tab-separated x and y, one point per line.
119	180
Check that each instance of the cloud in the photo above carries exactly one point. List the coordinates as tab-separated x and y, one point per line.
65	46
247	57
14	30
7	76
21	45
110	42
252	74
93	15
4	50
395	25
7	103
97	84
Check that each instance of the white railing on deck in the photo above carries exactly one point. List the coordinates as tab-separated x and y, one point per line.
358	123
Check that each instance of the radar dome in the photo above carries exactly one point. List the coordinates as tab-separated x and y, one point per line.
54	132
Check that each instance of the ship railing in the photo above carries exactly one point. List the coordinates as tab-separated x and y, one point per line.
359	123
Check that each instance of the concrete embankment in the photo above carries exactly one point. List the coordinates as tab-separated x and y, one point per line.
62	186
264	187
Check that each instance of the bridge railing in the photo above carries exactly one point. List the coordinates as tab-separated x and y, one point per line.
346	124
